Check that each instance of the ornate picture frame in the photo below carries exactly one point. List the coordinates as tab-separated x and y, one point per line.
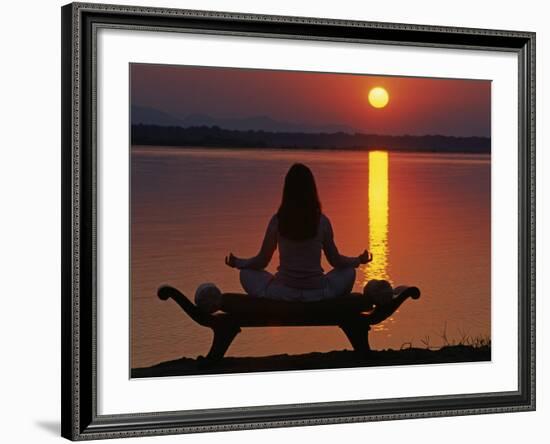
81	390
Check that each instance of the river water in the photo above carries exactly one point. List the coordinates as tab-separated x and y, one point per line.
425	217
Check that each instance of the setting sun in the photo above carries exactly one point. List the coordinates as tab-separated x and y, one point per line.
378	97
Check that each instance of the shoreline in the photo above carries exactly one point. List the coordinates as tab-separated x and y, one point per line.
322	149
317	361
204	136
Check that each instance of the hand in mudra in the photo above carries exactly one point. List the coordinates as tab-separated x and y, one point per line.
365	257
230	260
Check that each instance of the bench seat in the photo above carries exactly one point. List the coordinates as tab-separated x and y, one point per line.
353	313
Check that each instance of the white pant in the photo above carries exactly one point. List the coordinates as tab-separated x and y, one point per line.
261	283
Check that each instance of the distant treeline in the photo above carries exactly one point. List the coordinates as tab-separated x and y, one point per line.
204	136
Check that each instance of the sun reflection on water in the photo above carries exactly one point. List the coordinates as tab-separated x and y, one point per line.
378	221
378	216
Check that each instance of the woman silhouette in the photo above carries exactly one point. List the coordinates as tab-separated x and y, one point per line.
301	231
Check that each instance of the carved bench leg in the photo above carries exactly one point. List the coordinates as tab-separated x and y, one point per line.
223	337
358	336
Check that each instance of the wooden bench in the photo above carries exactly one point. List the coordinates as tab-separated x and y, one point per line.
353	313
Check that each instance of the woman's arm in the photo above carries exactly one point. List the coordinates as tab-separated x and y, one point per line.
332	254
269	244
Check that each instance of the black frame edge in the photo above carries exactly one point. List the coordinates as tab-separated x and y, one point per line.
67	357
527	221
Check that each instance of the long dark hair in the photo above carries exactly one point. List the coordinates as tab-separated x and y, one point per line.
300	210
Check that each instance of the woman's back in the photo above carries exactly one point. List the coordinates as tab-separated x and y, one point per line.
299	260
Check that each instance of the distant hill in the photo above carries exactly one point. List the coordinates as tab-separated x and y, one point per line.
213	136
150	116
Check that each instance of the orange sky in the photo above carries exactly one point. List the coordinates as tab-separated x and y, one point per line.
417	105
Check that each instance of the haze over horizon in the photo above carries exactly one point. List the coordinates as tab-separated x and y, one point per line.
310	102
150	116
